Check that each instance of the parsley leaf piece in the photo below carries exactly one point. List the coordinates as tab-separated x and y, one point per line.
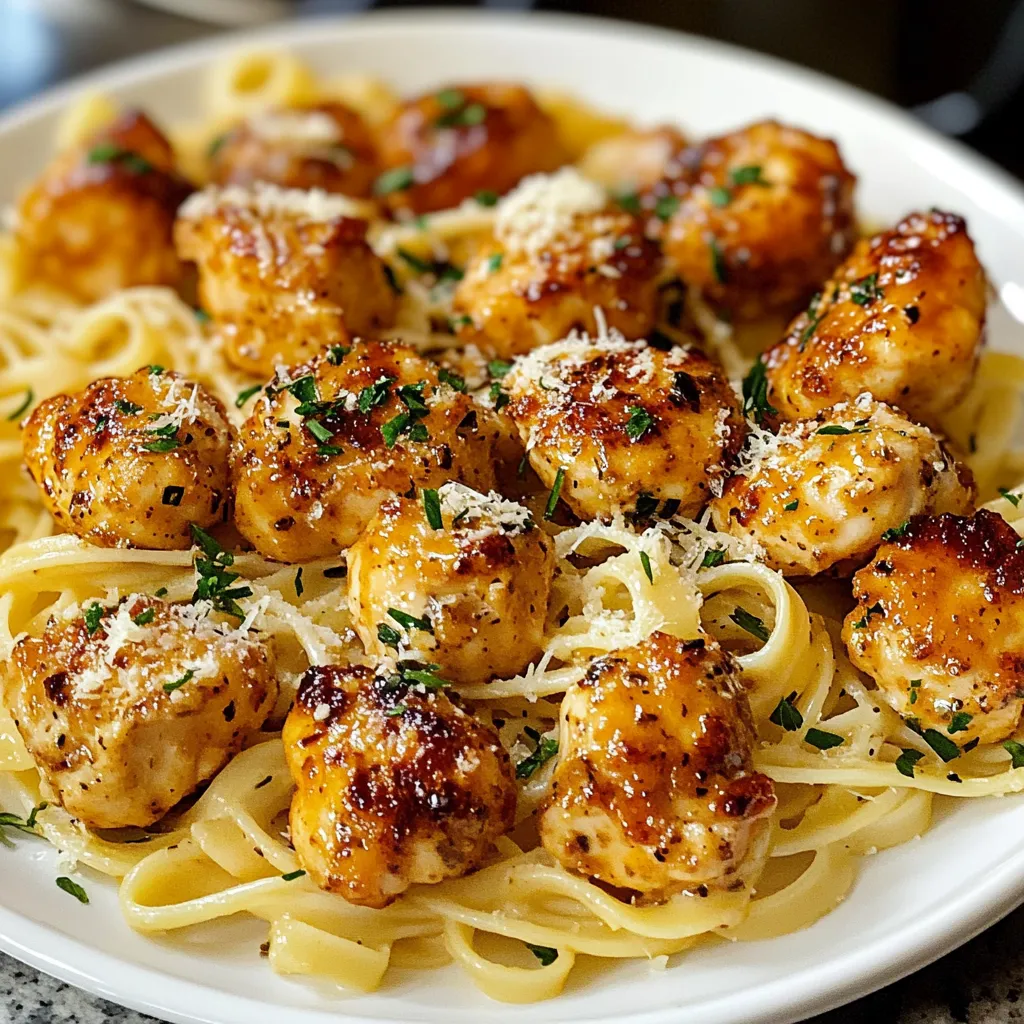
72	888
747	175
453	380
787	714
172	495
162	444
417	263
545	954
93	614
556	490
127	408
719	196
839	430
111	153
398	709
1016	752
751	623
245	394
1013	499
498	368
665	207
906	761
791	506
942	745
410	622
319	431
712	557
755	394
896	532
485	197
292	875
639	423
629	201
718	264
214	578
424	677
494	262
388	635
336	353
823	740
22	406
645	561
959	722
178	683
145	617
432	508
375	394
866	290
547	747
398	179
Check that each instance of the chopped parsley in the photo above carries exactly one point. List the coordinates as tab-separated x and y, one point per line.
545	748
755	394
718	264
319	431
93	614
165	440
906	761
485	197
1016	752
545	954
245	394
712	557
942	745
375	394
336	353
915	686
787	714
494	262
172	495
214	577
838	429
1013	499
639	423
813	319
629	201
823	740
408	422
388	635
145	617
179	683
398	179
719	196
875	609
791	506
292	875
866	290
18	824
432	508
424	677
155	369
751	623
498	368
22	405
665	207
111	153
959	722
453	380
72	888
410	622
556	490
645	561
896	532
398	709
747	175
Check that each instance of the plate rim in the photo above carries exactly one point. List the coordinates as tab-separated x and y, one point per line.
822	986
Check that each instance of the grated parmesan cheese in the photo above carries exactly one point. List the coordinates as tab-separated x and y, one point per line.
458	500
307	128
265	201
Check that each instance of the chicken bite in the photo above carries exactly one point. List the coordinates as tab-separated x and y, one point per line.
326	445
100	217
654	789
902	318
755	220
559	252
324	146
447	146
605	420
127	709
284	273
818	496
132	461
471	594
397	784
938	622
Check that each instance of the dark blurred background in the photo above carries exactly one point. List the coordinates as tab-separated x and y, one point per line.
958	65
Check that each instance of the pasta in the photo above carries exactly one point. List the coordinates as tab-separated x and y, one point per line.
836	752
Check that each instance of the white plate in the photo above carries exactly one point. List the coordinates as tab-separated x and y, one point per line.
910	905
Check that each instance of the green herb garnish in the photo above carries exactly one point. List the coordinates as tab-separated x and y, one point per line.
823	740
556	490
751	623
432	508
639	423
787	714
72	888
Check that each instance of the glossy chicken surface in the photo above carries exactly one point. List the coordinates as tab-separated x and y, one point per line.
938	624
820	495
477	587
618	418
903	318
128	708
132	461
325	447
397	785
654	790
284	273
100	217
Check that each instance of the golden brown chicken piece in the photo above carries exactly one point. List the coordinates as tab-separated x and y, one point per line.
449	145
755	220
325	146
902	318
819	496
472	595
938	622
132	461
323	449
605	420
560	251
127	709
634	160
100	217
397	785
654	789
283	273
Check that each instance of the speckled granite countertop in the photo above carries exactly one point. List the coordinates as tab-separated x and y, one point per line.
980	983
